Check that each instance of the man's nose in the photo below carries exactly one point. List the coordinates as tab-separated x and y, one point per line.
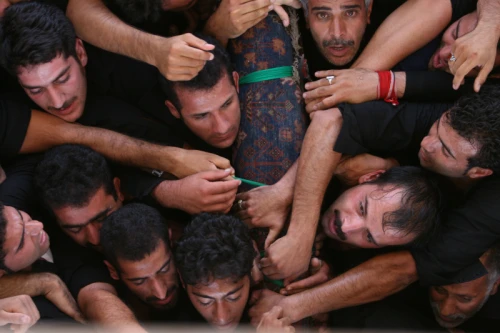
445	52
94	233
56	98
159	289
428	144
352	225
337	28
222	125
447	308
222	315
33	227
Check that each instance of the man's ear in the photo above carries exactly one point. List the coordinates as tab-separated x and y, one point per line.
370	176
495	287
2	272
117	185
80	52
256	275
173	109
112	271
478	172
369	12
236	79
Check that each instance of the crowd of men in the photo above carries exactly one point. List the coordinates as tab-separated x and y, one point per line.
122	203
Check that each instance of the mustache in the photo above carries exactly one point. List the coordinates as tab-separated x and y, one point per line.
153	299
65	105
337	42
338	226
455	317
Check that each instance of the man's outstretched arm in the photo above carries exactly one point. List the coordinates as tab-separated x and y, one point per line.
289	256
45	131
373	280
403	32
177	58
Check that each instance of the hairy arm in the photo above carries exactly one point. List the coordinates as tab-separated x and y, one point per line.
177	58
315	169
100	304
373	280
403	32
41	284
45	131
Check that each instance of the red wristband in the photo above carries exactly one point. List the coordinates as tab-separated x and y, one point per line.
387	87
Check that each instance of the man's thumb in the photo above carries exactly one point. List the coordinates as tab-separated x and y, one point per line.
271	237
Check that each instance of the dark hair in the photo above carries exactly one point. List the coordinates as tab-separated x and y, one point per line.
69	175
33	33
213	71
421	201
136	11
476	118
214	247
132	232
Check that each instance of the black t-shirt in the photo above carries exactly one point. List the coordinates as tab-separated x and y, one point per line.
14	120
452	256
386	130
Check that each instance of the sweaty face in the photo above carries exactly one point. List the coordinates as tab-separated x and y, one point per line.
212	115
177	5
59	86
337	27
463	26
356	217
454	304
221	302
152	279
25	239
444	151
83	224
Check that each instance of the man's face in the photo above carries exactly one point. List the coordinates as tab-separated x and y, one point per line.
454	304
439	60
177	5
83	224
221	302
356	217
212	115
58	87
444	151
152	279
25	239
337	27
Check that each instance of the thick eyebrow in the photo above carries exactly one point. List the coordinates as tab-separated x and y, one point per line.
344	7
457	29
97	216
442	142
21	243
235	290
63	72
366	214
145	277
322	8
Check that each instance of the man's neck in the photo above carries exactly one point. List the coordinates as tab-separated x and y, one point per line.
463	184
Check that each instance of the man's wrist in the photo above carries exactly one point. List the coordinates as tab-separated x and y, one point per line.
48	282
290	308
212	29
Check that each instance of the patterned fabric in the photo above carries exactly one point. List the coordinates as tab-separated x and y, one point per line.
273	120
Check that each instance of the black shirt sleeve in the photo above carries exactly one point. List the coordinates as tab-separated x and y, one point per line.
461	8
14	120
469	231
381	128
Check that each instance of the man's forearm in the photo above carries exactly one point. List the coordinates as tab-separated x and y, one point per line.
46	131
488	13
100	304
316	165
403	32
371	281
96	24
31	284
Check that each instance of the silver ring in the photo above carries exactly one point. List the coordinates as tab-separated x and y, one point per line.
330	78
240	204
452	58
